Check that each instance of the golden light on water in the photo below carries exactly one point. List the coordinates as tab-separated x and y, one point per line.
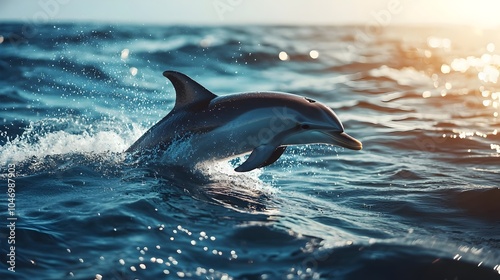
460	65
445	69
314	54
485	65
489	74
468	69
283	56
436	42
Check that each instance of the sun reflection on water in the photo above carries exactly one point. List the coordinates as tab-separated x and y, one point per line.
436	42
283	56
485	66
465	77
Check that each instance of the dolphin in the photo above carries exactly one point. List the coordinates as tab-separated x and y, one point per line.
223	127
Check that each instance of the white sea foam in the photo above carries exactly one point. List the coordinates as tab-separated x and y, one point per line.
68	136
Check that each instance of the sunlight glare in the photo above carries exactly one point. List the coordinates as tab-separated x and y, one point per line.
445	69
314	54
489	74
283	56
460	65
124	54
437	42
478	13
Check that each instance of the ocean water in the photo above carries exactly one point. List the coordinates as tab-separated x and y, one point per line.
420	201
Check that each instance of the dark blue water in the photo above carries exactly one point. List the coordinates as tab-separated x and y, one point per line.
420	201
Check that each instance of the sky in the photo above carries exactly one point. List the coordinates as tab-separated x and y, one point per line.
479	13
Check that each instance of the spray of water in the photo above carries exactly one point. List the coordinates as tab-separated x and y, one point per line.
69	135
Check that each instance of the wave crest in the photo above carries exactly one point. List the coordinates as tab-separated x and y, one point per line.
69	135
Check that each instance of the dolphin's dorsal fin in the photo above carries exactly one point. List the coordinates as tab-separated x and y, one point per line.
188	92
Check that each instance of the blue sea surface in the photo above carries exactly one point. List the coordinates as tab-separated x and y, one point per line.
420	201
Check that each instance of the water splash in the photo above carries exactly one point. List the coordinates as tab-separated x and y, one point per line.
245	192
70	135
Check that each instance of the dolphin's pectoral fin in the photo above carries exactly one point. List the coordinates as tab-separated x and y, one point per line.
275	156
260	157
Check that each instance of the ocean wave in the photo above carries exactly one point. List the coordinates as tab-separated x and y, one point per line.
383	108
481	203
420	197
71	135
407	76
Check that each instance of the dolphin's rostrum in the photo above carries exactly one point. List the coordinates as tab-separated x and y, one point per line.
263	123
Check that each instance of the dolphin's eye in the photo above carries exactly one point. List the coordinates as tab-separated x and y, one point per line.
310	100
305	126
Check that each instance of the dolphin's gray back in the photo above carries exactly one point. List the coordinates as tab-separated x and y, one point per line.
202	118
197	110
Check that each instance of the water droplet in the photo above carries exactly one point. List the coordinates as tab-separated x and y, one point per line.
133	71
124	54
